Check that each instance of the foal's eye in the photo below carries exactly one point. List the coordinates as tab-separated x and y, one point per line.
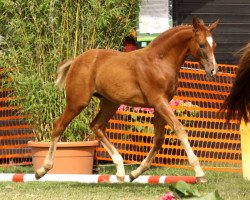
202	46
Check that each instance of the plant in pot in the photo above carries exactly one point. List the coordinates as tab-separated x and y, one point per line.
75	151
51	32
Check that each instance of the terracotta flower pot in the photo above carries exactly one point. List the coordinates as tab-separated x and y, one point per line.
70	157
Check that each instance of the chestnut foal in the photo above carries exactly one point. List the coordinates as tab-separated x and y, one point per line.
147	77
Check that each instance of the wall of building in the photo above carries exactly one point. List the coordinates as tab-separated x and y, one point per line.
233	31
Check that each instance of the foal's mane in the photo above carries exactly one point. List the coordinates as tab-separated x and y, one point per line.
237	104
169	33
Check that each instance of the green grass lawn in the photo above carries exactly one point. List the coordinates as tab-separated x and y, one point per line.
231	186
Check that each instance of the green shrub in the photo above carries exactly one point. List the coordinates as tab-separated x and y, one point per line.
40	34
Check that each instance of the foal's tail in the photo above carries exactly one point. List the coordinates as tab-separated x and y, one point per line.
62	71
237	104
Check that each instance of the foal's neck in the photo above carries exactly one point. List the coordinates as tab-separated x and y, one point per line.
173	45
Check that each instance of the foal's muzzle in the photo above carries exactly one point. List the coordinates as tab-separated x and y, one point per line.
211	71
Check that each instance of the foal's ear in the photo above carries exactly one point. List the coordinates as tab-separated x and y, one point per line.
198	24
213	25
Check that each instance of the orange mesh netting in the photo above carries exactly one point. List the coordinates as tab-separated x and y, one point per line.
14	130
216	143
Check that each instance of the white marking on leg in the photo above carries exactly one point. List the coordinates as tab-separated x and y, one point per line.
193	160
118	161
49	160
116	157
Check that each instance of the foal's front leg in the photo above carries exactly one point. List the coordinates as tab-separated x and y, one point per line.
165	111
159	124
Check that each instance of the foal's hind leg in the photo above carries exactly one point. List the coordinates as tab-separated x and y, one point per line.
159	124
73	108
99	125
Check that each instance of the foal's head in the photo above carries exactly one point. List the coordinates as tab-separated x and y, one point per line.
202	45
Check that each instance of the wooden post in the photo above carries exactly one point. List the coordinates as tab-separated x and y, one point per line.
245	149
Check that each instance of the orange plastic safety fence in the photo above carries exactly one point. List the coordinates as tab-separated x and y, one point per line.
14	130
216	143
198	99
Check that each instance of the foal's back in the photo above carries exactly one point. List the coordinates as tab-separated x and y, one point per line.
108	73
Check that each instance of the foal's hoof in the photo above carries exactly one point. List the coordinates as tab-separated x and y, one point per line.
40	173
131	177
120	179
201	179
37	176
